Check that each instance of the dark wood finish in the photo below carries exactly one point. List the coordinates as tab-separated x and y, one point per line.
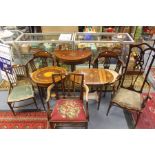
69	90
137	52
73	58
43	57
107	57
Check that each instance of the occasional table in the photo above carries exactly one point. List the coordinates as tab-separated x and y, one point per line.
43	78
73	57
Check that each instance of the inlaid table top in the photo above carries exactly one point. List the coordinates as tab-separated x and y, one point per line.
43	76
73	56
95	76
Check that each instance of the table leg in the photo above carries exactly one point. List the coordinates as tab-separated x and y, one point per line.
100	95
72	68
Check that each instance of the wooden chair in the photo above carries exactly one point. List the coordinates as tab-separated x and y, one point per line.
69	109
129	96
111	61
20	87
41	59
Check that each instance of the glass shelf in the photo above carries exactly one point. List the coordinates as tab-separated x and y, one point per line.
88	37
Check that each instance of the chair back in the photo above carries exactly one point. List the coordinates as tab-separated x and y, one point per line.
138	65
109	59
18	72
41	59
69	86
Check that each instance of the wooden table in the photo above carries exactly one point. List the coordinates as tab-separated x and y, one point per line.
73	58
95	76
43	76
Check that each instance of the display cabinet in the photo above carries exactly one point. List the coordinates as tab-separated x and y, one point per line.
28	43
96	40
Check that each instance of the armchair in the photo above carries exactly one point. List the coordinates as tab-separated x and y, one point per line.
69	110
129	97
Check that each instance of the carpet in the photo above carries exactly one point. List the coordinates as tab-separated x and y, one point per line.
147	118
4	85
23	120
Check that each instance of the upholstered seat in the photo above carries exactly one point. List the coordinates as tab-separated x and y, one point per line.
68	110
24	82
21	92
128	99
128	93
20	87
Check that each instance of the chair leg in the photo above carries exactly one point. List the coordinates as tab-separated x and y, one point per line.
105	91
109	108
89	63
12	109
41	97
98	106
86	125
138	116
35	102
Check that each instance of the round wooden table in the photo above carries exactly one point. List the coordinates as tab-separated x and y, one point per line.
43	76
95	76
73	58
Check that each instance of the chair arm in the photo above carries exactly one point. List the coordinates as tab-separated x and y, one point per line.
147	95
86	98
117	82
86	91
49	92
122	62
149	89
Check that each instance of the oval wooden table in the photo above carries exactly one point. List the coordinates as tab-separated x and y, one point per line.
73	57
96	77
43	78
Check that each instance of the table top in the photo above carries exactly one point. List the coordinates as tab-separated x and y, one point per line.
96	76
43	76
73	56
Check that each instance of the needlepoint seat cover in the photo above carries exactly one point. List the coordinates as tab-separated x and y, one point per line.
128	99
67	110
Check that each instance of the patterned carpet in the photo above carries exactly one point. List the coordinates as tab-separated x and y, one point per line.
147	118
23	120
4	85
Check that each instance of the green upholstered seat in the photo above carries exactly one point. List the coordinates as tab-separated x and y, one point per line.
128	99
21	92
24	82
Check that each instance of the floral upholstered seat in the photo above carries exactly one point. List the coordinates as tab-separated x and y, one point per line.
21	92
68	110
128	99
71	104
